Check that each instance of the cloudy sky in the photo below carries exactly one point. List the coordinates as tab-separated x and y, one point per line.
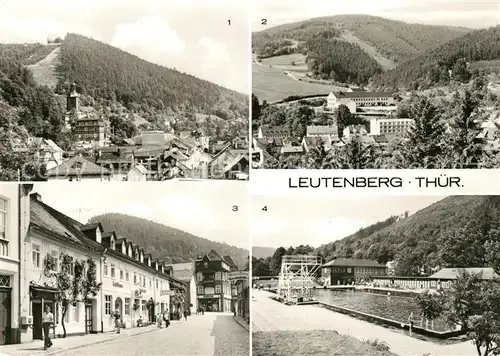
471	13
296	220
189	35
204	209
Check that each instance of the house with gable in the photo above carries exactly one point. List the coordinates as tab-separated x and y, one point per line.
212	282
185	272
78	168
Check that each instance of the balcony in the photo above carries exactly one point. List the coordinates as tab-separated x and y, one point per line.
207	281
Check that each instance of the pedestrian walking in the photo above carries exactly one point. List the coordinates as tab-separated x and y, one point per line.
118	320
185	315
47	321
165	319
158	319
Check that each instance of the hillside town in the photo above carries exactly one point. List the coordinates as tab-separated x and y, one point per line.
96	282
354	91
375	124
374	109
148	156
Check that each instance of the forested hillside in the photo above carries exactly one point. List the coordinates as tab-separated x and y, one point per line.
433	66
458	231
26	109
106	72
396	40
340	61
26	54
162	241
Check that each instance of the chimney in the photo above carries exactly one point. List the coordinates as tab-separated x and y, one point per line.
36	196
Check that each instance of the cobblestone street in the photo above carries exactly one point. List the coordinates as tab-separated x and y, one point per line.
214	334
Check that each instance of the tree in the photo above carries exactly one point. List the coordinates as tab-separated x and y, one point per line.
260	266
275	266
431	306
460	71
343	116
463	299
255	112
424	144
474	304
17	157
463	246
75	281
299	117
356	155
465	145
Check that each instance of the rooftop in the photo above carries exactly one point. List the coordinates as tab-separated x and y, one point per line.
362	94
322	130
275	130
77	166
353	262
454	273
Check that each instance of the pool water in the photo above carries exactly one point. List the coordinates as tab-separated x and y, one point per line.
396	308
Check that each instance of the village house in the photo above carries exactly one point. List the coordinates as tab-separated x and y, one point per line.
14	209
47	152
185	272
354	130
229	164
119	160
91	129
322	131
133	282
360	99
46	239
239	290
212	282
341	271
137	174
273	132
390	126
78	168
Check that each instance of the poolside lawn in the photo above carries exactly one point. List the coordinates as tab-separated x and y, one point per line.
316	342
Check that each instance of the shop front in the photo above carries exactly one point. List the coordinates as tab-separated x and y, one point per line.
210	303
129	303
5	310
40	298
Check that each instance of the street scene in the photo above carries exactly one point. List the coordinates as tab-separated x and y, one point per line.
215	334
379	275
102	272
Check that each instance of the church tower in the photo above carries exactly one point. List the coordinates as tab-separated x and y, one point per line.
73	99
